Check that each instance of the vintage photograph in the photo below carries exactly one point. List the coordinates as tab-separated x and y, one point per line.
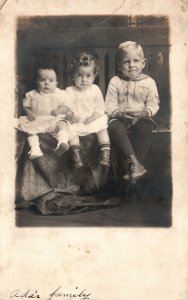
93	121
94	145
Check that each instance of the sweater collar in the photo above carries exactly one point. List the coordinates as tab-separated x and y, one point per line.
140	77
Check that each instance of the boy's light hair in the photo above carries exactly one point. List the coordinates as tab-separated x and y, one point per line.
126	47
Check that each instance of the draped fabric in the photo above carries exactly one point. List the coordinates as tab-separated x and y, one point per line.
53	186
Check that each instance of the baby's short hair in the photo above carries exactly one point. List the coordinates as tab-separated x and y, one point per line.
126	47
45	66
84	59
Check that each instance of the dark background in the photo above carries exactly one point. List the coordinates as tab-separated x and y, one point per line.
56	40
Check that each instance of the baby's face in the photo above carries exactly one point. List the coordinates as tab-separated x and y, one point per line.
84	77
46	81
132	64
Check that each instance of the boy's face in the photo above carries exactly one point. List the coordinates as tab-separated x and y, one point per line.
84	77
46	81
132	64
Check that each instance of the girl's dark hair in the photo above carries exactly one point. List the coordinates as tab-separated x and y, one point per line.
84	59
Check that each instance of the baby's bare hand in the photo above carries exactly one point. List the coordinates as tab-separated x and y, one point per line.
31	116
74	121
54	113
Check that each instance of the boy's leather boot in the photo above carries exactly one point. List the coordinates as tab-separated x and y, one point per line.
136	171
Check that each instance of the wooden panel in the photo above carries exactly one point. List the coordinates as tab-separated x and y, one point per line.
101	55
111	55
58	39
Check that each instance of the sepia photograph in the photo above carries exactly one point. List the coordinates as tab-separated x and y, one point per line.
93	157
93	121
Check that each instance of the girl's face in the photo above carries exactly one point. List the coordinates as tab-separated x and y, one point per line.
46	81
84	77
132	64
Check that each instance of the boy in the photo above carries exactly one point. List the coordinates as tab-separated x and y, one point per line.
131	101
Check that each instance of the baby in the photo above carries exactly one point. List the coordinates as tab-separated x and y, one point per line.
131	101
46	112
87	104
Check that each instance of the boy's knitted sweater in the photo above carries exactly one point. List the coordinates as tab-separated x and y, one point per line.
132	95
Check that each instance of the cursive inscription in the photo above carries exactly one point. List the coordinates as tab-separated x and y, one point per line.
82	295
57	294
28	294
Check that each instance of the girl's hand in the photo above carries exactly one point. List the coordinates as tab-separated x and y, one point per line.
72	118
89	120
139	115
95	116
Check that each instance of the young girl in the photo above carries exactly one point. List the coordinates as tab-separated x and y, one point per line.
87	104
46	112
131	101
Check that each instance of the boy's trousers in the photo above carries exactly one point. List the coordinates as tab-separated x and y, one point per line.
133	141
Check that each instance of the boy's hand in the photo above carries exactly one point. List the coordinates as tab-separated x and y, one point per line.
139	115
124	117
119	116
128	118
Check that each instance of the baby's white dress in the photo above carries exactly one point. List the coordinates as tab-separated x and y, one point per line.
42	105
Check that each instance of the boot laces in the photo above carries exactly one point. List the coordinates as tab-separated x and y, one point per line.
134	165
76	155
106	153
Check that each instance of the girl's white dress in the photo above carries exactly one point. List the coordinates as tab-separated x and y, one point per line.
84	103
42	105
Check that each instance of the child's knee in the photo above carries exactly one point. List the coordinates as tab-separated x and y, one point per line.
144	127
103	135
116	127
74	141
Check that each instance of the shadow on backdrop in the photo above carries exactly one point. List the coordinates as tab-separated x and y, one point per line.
49	192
